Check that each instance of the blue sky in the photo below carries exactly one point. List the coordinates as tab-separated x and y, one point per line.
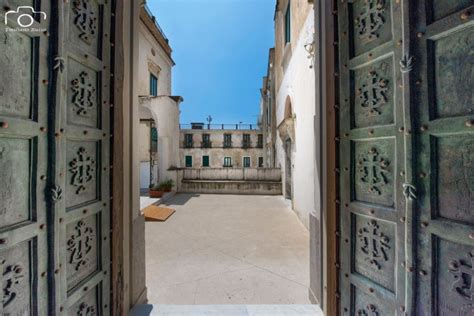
221	49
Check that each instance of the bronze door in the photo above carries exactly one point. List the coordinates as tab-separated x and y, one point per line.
373	151
80	150
444	125
54	157
23	158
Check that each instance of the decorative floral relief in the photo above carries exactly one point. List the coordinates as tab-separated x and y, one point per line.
371	19
463	273
369	310
85	20
83	97
83	168
373	169
373	93
86	310
10	278
374	244
80	244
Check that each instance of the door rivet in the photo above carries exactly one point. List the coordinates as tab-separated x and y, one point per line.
371	290
371	132
423	128
402	308
401	129
424	224
402	173
85	288
469	123
43	274
61	309
3	125
419	34
84	211
85	132
42	226
402	219
43	177
423	272
45	81
56	271
422	174
418	82
3	241
464	16
43	129
60	219
471	235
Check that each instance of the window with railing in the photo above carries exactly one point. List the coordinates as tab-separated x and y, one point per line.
206	141
188	140
246	141
260	141
227	140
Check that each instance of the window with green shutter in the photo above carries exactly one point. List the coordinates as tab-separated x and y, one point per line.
153	85
205	161
288	23
189	161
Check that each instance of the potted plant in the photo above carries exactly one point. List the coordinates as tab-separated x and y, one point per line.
156	191
168	185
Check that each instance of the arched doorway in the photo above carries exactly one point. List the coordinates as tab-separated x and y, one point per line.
287	135
148	149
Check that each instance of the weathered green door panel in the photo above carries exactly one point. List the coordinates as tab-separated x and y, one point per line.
82	154
23	164
444	157
372	151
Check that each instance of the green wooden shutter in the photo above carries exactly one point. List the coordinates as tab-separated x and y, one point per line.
205	161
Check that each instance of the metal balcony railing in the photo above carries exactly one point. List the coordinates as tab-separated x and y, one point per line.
223	126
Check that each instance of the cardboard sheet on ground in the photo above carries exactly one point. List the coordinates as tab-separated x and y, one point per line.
155	213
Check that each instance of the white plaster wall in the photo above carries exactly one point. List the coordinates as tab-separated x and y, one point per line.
146	42
298	83
165	111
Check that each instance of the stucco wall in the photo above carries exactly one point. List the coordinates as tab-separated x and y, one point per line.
299	12
298	86
165	112
147	62
217	152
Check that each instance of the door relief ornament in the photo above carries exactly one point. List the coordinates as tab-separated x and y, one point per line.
463	274
374	243
409	191
371	19
85	20
58	63
56	193
86	310
80	244
406	63
83	97
369	310
373	93
83	168
11	276
373	169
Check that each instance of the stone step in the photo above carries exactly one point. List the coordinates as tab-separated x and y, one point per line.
226	310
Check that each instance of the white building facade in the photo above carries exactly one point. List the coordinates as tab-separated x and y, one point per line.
295	98
158	110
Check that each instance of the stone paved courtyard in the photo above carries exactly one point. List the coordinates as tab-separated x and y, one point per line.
228	249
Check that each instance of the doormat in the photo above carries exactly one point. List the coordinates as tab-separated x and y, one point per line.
154	213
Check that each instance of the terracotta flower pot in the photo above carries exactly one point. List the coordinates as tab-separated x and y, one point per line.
156	193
